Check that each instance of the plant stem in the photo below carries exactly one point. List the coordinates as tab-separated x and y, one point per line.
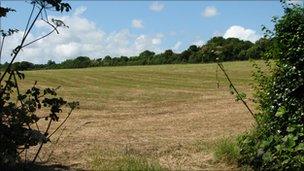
20	46
41	145
61	123
236	91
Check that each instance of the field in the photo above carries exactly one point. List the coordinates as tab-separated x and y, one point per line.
166	114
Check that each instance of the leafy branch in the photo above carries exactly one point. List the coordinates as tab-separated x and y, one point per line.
239	95
17	118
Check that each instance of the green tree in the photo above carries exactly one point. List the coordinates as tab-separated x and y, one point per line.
145	57
168	57
196	57
50	63
184	56
258	50
193	48
25	65
107	61
82	62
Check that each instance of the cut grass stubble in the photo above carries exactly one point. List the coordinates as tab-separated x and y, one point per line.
154	108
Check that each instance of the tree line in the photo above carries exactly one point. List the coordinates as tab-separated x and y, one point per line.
217	48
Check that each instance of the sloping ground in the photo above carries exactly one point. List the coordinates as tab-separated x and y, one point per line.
159	112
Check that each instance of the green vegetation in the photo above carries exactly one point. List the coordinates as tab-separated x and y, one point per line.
109	160
226	150
123	94
230	49
277	142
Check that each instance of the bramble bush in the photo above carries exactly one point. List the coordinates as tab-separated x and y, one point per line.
277	141
19	130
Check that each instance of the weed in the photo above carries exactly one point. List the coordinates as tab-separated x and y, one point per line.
226	149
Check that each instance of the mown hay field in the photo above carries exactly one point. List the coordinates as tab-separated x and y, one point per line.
168	114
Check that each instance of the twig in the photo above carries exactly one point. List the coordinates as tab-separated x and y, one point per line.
55	28
17	50
61	123
38	39
41	145
1	48
235	90
53	145
216	77
29	19
17	87
37	126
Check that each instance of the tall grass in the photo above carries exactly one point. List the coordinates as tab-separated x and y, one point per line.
109	160
226	149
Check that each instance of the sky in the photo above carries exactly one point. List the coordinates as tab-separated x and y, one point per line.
126	28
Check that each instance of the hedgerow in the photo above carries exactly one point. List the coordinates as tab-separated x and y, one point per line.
277	141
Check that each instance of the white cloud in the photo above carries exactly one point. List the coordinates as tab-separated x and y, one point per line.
199	43
242	33
210	11
157	40
177	45
82	38
80	10
157	6
137	23
144	42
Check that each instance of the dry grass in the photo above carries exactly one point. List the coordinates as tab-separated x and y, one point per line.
159	112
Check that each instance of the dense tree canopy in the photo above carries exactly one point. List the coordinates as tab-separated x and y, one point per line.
230	49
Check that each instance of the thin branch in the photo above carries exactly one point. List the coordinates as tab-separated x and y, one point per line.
1	48
69	114
51	25
41	145
216	77
46	16
18	48
18	94
38	39
20	152
39	158
54	144
37	126
17	87
29	20
236	91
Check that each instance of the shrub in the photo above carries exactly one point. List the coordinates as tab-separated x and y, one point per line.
19	128
277	141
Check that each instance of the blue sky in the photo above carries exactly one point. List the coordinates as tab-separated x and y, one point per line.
99	28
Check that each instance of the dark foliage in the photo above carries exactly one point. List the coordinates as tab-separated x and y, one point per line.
4	11
19	130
